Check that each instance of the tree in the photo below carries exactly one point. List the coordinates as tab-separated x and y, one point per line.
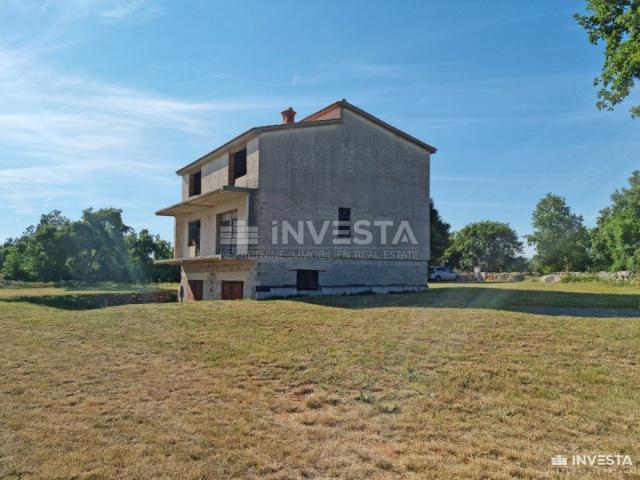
616	238
48	248
3	254
99	250
559	236
15	265
617	23
440	234
144	248
493	246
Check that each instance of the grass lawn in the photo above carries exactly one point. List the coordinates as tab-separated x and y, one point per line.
462	381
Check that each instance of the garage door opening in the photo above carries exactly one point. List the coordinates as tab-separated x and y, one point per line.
231	290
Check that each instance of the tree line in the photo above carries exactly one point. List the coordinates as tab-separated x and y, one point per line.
97	248
562	242
100	247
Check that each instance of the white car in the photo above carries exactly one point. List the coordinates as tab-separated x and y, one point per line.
439	274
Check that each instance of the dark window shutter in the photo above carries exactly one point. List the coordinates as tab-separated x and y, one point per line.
240	163
344	217
307	280
232	169
195	184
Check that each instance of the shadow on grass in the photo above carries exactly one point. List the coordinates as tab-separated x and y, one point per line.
108	287
579	304
91	301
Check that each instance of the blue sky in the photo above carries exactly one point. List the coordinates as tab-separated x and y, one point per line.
102	100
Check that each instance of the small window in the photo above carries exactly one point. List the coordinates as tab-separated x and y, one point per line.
237	165
194	235
307	280
227	234
344	222
195	184
240	163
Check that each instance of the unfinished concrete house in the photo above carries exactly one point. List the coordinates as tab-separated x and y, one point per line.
336	203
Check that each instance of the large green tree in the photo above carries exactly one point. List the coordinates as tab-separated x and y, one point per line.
144	248
616	238
493	246
617	24
559	236
99	247
49	247
440	234
15	265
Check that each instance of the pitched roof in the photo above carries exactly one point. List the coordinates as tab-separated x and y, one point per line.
349	106
305	123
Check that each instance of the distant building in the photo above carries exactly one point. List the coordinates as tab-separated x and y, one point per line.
335	203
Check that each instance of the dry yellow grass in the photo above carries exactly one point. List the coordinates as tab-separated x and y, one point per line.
399	386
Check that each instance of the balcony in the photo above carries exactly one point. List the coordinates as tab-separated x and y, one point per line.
204	259
207	199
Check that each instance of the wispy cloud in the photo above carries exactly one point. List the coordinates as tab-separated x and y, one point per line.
71	10
119	10
61	127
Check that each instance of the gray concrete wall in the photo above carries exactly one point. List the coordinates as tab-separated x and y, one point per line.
341	277
306	174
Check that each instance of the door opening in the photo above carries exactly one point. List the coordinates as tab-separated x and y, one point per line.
231	290
195	290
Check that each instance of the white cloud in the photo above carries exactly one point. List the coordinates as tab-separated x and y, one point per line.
57	127
60	129
118	10
71	10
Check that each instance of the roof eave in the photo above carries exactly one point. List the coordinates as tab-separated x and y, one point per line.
389	127
245	136
345	104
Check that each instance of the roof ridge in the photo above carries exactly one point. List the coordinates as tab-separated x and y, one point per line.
309	123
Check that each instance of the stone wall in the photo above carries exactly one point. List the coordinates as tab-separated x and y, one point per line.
617	277
493	277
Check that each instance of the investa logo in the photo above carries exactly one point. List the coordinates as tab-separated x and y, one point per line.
364	232
592	460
